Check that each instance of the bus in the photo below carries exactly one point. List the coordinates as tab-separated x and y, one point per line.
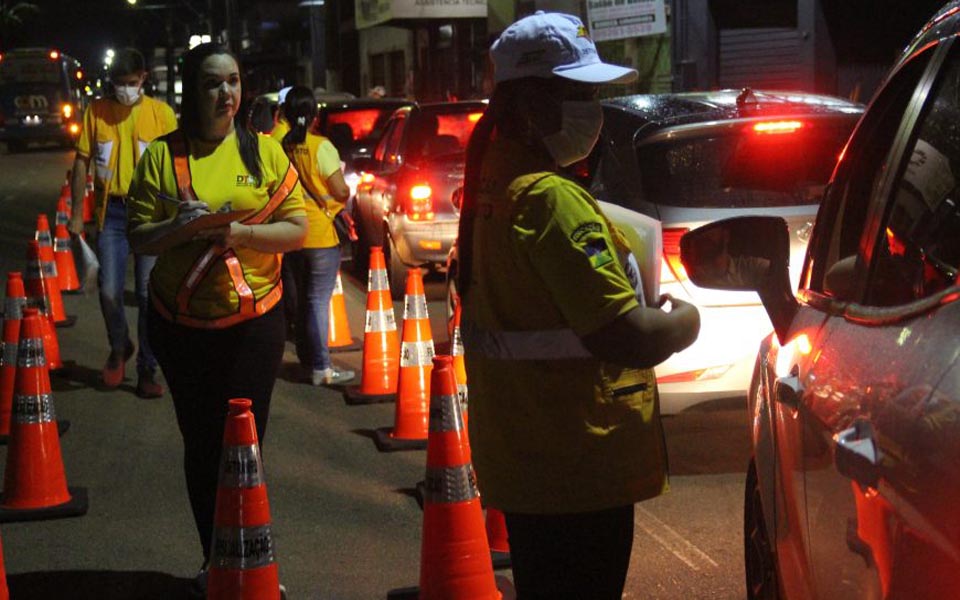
40	97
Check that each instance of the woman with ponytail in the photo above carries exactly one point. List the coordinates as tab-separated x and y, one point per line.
214	320
316	265
564	418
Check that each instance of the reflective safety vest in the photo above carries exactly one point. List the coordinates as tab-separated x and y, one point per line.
249	307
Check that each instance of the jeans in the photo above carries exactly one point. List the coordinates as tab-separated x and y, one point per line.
112	251
318	268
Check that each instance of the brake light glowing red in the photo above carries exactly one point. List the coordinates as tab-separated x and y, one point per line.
671	269
777	126
420	205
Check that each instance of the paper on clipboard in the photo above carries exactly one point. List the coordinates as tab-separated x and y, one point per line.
208	221
645	236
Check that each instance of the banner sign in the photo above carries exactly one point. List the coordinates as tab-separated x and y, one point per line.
618	19
375	12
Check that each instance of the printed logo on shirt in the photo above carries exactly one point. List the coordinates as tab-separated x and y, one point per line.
584	230
598	253
246	181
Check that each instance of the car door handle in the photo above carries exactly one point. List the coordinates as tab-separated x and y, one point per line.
856	455
788	390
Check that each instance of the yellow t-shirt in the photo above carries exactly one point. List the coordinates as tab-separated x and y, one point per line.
316	159
280	129
556	431
115	136
218	176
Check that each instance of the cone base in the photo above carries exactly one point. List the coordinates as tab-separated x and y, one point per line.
69	321
62	428
387	443
354	396
351	347
76	507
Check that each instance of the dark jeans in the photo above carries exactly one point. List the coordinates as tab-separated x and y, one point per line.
581	556
316	273
205	368
113	251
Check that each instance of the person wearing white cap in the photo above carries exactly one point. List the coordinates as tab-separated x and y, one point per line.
560	347
282	126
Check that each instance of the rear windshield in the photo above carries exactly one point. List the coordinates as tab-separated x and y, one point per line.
744	168
30	70
357	124
437	134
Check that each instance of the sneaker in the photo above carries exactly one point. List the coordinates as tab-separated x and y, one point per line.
283	592
115	369
332	376
147	386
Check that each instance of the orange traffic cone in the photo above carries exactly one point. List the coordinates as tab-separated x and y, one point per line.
381	348
242	562
454	555
62	216
338	337
88	201
459	365
35	486
413	390
496	525
66	194
63	256
13	306
4	590
36	285
48	269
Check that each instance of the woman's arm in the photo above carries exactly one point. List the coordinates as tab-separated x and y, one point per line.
271	238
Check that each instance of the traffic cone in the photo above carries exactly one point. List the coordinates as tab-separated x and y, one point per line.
381	348
48	268
496	526
338	337
62	216
242	561
88	201
66	196
454	554
13	306
35	486
37	285
4	590
409	430
63	256
459	365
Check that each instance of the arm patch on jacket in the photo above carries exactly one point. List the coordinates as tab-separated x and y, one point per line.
598	253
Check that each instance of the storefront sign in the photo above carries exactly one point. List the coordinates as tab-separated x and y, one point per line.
618	19
375	12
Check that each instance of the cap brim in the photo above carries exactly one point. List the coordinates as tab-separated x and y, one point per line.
598	73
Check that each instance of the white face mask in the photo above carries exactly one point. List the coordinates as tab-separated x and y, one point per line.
127	95
579	129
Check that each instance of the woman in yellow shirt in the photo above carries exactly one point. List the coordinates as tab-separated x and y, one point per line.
215	320
316	265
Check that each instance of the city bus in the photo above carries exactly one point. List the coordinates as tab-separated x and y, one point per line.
40	97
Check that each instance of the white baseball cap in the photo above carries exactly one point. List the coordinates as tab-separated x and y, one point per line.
282	94
552	44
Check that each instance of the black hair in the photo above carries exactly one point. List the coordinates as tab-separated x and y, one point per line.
260	115
300	109
127	61
247	141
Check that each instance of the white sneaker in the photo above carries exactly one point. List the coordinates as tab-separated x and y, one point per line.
332	376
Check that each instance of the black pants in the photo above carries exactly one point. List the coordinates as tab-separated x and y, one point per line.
581	556
205	369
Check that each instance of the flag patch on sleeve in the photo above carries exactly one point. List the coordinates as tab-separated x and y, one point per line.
598	253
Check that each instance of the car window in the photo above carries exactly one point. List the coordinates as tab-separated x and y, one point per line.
918	251
438	133
756	165
835	261
387	152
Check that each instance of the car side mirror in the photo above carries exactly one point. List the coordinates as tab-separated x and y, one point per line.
744	253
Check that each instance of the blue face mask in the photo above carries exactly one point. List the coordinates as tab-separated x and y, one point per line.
580	126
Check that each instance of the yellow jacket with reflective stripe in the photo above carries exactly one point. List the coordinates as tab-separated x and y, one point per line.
552	429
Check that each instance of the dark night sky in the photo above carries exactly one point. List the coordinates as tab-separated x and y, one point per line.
863	30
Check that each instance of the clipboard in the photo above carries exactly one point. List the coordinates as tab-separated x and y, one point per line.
218	219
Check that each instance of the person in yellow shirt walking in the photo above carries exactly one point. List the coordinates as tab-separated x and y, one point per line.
316	265
116	129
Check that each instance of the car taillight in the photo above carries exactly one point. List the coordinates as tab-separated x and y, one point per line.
671	269
74	129
67	110
777	126
419	205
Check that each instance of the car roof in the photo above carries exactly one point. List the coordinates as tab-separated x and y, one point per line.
695	107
